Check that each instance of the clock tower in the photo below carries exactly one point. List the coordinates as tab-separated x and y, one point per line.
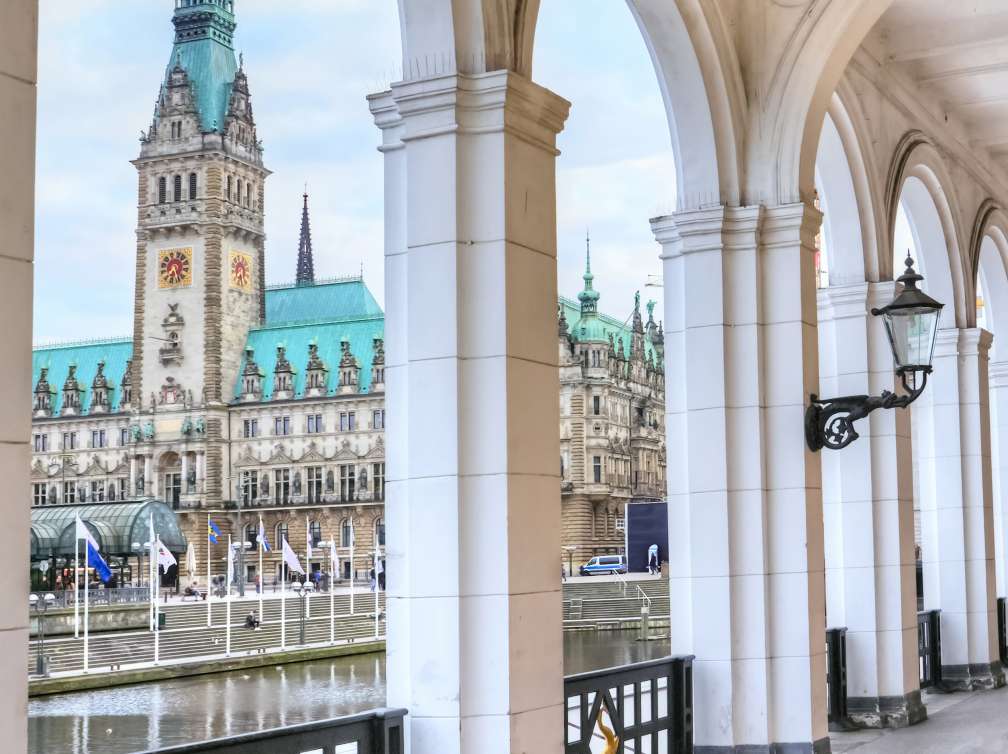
200	242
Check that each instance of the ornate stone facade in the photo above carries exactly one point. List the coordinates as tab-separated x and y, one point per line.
235	401
612	420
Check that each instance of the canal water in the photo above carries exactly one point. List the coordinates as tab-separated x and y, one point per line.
129	719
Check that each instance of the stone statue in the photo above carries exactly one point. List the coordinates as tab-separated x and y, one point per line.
264	485
200	426
363	480
187	426
636	301
297	483
135	432
330	482
650	309
139	485
148	431
191	479
52	495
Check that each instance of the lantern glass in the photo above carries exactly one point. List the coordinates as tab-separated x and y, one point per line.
912	334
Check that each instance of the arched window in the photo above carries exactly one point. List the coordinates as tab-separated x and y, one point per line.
192	185
251	531
248	194
238	198
346	533
315	531
380	532
281	535
229	188
162	190
178	188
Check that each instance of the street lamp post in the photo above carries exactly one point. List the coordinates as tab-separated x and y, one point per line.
911	322
40	606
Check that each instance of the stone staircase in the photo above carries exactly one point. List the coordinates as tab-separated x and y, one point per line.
591	604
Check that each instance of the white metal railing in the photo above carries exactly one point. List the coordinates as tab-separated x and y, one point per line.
640	595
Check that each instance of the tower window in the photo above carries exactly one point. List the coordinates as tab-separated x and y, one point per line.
229	188
192	185
248	194
162	190
177	186
238	197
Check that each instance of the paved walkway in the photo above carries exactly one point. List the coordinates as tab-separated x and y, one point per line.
964	723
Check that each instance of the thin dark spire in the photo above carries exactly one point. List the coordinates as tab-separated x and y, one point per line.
305	264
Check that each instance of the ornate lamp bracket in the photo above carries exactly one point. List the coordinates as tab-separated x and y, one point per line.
829	423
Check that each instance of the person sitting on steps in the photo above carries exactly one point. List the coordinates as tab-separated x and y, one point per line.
252	621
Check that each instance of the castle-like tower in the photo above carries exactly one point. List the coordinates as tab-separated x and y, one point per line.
200	246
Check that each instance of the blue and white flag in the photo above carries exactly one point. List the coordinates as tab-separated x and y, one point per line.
212	531
95	560
84	533
263	542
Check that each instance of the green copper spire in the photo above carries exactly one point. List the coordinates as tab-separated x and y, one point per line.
589	296
204	38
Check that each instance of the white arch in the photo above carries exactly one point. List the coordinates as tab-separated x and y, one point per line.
703	94
841	210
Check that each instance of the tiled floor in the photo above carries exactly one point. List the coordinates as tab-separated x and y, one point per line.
966	723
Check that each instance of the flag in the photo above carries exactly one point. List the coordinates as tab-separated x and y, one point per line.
263	542
310	555
212	531
84	533
290	558
164	558
332	551
95	560
191	560
232	552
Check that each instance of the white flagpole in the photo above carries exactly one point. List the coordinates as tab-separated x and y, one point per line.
76	584
332	596
227	650
352	538
283	599
209	620
262	576
307	566
86	614
152	590
376	585
157	631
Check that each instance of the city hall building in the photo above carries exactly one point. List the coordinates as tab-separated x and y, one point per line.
235	400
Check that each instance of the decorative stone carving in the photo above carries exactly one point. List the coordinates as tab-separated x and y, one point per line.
283	376
316	374
349	369
251	378
170	351
100	391
171	392
71	394
42	405
148	431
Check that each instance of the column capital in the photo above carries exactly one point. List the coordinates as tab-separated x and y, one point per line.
785	223
997	372
386	116
706	229
845	301
479	104
975	341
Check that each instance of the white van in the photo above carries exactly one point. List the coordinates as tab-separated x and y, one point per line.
605	564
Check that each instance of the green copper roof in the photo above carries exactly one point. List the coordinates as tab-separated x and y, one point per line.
203	47
598	327
85	356
359	331
116	526
325	300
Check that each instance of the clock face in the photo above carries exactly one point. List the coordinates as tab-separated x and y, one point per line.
174	268
241	271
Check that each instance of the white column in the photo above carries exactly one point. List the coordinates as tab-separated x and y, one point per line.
475	653
200	471
132	476
149	490
957	522
18	46
185	472
868	515
998	373
745	509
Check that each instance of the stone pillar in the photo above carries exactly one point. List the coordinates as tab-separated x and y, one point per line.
868	515
184	455
200	471
957	522
149	490
475	653
745	507
998	374
133	476
18	46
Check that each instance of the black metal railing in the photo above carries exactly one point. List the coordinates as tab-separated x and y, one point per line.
376	732
836	678
1002	623
648	706
929	647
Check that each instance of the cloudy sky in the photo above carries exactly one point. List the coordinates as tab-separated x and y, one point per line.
310	64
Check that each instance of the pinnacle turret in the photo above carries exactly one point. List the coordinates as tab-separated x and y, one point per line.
305	263
589	296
